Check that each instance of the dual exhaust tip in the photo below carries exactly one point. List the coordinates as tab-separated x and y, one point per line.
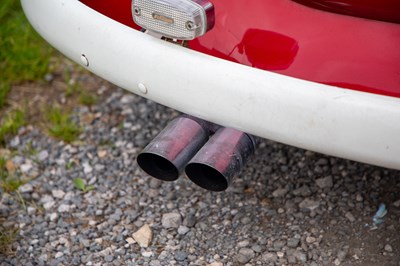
210	155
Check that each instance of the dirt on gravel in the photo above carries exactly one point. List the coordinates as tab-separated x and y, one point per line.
60	87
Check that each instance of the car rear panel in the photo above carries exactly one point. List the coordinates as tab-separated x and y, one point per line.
296	40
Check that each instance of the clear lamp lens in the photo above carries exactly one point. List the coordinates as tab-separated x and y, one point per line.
176	19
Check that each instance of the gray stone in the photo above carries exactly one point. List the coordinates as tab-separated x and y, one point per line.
324	182
256	248
15	142
388	248
109	258
300	256
43	155
182	230
245	255
278	245
190	220
180	255
341	255
243	243
48	77
280	192
155	263
171	220
309	204
291	259
43	257
245	220
85	242
293	242
359	198
350	217
269	257
302	191
163	255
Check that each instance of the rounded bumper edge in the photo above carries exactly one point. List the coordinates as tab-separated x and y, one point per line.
354	125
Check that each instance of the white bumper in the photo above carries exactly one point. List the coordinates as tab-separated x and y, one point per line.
340	122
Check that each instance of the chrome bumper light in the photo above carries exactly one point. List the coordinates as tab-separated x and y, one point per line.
175	19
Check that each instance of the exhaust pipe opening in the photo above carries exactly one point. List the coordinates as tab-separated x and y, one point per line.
221	158
158	166
167	154
207	177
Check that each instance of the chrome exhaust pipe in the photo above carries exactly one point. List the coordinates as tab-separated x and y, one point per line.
165	157
221	158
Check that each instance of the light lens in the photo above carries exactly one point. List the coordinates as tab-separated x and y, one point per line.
176	19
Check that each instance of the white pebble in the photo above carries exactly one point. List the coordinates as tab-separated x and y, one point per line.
31	210
147	254
53	216
388	248
87	169
64	208
26	188
310	239
48	205
58	193
59	255
25	168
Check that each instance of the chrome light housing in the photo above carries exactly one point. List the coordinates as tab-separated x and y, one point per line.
175	19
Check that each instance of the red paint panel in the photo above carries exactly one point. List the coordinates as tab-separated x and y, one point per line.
281	49
385	10
298	41
118	10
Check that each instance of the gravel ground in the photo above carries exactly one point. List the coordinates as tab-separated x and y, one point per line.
288	207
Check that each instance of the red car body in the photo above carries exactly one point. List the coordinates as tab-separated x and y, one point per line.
317	74
359	52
